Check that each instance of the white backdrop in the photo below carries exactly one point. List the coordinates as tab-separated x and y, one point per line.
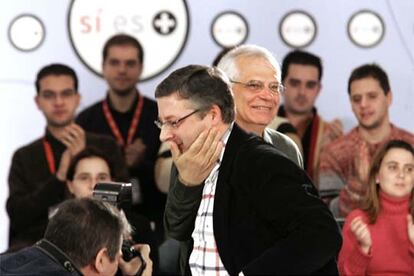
21	122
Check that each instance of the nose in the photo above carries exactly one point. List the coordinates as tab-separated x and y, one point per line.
267	93
122	67
401	173
58	99
166	134
364	101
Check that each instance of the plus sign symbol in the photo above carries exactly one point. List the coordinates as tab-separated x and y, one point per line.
164	23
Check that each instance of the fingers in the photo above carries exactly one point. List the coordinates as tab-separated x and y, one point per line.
74	138
337	128
361	231
175	151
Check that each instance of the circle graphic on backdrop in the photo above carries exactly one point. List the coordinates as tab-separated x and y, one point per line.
297	29
229	29
26	32
160	26
366	29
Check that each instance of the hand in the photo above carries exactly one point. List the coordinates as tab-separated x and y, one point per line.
195	164
335	130
134	153
362	234
410	228
64	165
134	265
73	137
363	163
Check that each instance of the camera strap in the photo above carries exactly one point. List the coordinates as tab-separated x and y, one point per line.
58	256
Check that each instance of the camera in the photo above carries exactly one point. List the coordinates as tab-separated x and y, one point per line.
116	193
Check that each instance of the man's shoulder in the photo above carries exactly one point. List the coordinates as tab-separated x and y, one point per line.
30	261
92	109
29	148
400	133
280	138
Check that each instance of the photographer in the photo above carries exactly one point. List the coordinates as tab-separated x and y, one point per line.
92	166
83	238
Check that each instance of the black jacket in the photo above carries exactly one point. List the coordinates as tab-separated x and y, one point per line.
268	218
33	189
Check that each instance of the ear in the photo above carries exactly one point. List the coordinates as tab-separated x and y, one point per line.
101	260
320	87
389	98
69	184
78	98
37	101
216	117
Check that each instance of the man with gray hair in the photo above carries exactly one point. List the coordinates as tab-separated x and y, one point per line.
235	202
255	77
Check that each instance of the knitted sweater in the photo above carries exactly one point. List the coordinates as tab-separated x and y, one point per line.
391	252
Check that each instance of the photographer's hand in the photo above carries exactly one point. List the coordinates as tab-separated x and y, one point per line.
134	266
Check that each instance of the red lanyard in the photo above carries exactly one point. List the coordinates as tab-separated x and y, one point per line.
49	156
132	128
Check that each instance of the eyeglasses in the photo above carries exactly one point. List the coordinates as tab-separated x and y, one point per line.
258	86
176	123
52	96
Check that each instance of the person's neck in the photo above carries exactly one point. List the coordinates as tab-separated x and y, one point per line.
375	135
300	121
57	131
256	129
122	103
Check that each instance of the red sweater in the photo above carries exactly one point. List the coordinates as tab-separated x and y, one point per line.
391	252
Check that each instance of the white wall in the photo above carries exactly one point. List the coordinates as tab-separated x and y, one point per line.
21	122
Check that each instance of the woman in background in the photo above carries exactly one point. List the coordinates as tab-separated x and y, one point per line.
379	237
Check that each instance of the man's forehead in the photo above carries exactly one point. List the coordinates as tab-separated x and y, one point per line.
365	86
122	50
172	105
244	63
301	70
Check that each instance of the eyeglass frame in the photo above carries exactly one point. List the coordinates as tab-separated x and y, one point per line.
176	123
49	95
280	87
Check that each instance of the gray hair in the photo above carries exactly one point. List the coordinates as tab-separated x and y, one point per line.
228	61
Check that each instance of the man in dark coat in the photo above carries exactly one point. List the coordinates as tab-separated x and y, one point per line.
236	203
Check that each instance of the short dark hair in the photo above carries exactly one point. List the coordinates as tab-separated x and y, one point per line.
204	86
123	40
82	227
88	152
56	69
302	58
370	71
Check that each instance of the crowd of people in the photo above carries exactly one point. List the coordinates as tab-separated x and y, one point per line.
232	171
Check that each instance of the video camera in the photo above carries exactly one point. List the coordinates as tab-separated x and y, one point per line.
117	193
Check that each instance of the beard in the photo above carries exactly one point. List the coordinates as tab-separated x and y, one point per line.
124	92
53	123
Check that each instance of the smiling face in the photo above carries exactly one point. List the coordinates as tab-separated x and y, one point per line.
57	99
369	103
122	69
396	173
302	88
255	109
172	108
